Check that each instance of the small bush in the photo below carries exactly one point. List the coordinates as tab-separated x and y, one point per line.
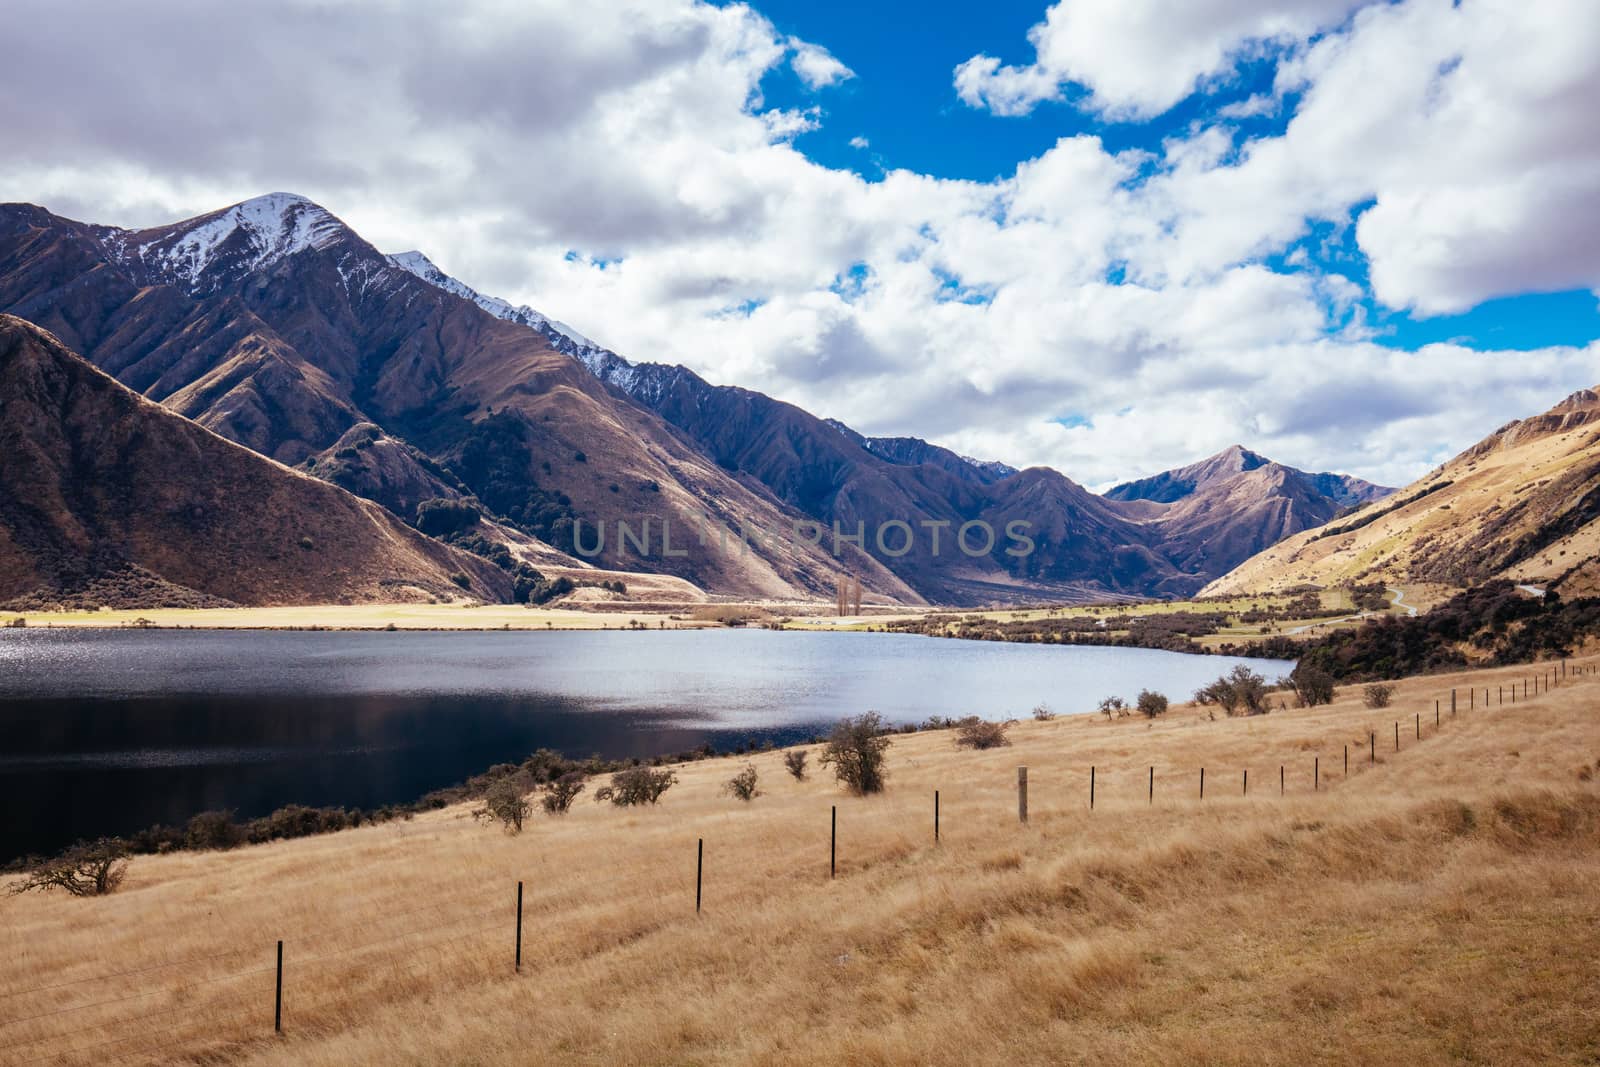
90	870
1241	690
636	785
1042	713
461	579
1311	685
1151	704
795	761
857	750
1378	695
505	803
1114	707
980	734
212	829
559	794
742	786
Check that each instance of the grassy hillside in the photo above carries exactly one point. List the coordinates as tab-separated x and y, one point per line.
1523	504
1440	904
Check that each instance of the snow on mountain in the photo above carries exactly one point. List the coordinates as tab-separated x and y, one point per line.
563	338
245	237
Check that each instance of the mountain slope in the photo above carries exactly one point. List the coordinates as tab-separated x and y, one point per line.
1524	503
101	491
277	326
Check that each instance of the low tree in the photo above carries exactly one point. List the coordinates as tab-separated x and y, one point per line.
559	794
1312	685
1241	690
795	761
1114	707
742	786
857	750
980	734
635	786
1378	695
1151	703
85	870
504	802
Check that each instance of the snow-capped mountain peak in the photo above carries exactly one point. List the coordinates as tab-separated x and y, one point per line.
563	338
248	236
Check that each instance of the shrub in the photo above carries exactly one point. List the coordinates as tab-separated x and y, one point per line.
743	785
86	870
1240	690
1151	704
1042	712
636	785
1311	685
979	733
1378	695
212	829
795	761
461	579
857	751
440	517
1114	706
559	794
505	803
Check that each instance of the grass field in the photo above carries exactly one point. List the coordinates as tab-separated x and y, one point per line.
1440	905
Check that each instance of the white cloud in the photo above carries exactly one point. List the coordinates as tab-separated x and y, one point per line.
860	142
816	66
635	136
1137	58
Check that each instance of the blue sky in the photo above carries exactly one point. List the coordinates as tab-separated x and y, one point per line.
902	102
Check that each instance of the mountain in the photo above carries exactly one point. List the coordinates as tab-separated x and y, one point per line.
108	498
1522	504
1217	513
1174	485
1083	546
1163	536
273	324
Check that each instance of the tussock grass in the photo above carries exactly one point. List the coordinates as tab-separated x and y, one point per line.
1443	905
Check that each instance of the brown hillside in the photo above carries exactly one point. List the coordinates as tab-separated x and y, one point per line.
104	495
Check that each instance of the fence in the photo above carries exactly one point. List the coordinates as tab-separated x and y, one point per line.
253	1000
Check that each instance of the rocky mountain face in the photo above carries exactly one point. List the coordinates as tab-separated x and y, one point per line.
1523	504
109	499
274	325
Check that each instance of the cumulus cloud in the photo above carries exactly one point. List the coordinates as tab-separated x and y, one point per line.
618	167
816	66
1137	58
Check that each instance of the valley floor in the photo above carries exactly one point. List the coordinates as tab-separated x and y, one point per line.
1441	904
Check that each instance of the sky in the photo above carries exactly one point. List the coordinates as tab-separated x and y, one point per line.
1109	236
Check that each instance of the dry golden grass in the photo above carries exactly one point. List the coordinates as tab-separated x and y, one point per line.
1443	905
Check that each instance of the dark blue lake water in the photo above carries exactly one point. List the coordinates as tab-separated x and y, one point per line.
111	731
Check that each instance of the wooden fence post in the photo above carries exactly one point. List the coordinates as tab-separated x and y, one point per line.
1022	794
699	866
519	927
277	998
833	842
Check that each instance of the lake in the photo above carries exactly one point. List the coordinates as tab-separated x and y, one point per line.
111	731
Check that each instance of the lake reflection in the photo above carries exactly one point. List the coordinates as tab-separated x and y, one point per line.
110	731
